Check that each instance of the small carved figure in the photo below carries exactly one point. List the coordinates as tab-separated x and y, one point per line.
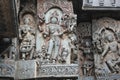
65	48
27	38
87	62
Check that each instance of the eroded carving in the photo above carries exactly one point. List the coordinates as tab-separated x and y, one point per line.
44	6
107	47
101	3
57	34
7	68
85	49
27	37
58	70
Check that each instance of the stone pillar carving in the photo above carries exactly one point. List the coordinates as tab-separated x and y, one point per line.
86	60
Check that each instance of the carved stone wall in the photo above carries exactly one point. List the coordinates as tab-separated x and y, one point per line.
50	44
106	46
101	3
46	45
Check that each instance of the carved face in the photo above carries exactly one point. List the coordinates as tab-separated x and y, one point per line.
87	44
54	20
110	37
26	29
27	20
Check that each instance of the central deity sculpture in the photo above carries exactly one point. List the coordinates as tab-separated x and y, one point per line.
54	31
57	37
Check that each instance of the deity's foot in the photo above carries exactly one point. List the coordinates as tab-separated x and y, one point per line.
53	61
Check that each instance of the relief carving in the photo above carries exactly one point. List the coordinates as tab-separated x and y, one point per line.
86	60
11	51
50	48
45	5
7	68
57	36
107	47
58	70
101	3
27	37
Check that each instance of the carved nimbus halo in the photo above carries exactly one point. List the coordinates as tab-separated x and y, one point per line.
54	12
25	12
29	17
105	24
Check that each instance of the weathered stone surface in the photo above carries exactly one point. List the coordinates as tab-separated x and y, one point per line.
101	5
7	68
25	69
58	71
107	47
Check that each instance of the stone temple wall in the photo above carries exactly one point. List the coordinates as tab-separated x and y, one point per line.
50	44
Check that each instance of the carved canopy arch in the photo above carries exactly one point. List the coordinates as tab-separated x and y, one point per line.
104	24
30	17
25	15
107	22
27	9
53	12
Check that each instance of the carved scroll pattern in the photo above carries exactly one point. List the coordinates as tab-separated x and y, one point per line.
7	68
58	70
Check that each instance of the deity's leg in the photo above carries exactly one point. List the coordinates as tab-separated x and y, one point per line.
50	48
68	59
57	46
23	56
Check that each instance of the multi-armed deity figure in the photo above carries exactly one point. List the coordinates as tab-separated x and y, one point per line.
27	38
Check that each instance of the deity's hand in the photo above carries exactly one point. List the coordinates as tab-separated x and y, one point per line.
20	36
102	57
